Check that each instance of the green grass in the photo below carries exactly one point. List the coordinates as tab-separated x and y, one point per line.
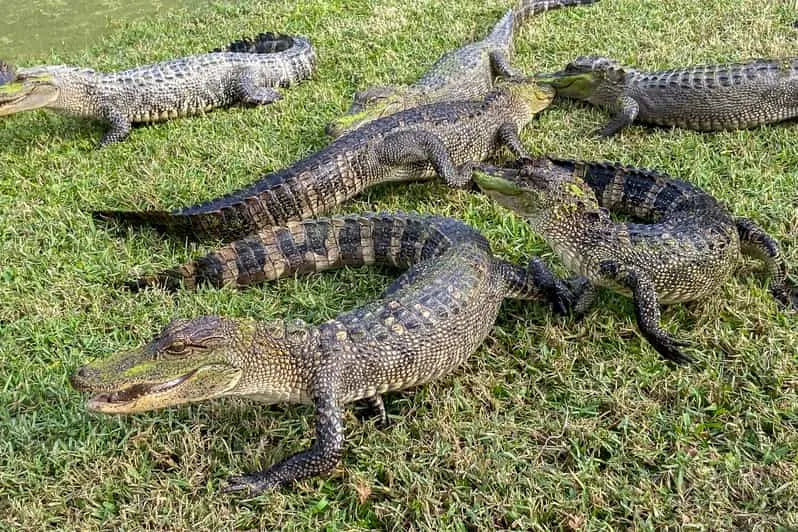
553	423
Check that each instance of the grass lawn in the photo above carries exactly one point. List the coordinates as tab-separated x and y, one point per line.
553	423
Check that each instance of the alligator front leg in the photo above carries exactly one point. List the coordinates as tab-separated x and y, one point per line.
119	128
755	242
646	309
410	147
500	64
508	136
627	112
321	457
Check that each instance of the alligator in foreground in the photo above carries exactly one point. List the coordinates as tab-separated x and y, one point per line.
704	98
467	73
245	72
692	245
423	327
415	144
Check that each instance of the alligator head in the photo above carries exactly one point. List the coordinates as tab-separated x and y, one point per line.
539	186
190	360
537	96
369	105
585	75
25	90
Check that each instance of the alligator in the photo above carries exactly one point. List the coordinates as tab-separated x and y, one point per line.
689	246
703	98
421	328
246	72
442	139
467	73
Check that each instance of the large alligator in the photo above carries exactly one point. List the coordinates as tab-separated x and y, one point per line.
467	73
704	98
246	71
690	247
422	327
415	144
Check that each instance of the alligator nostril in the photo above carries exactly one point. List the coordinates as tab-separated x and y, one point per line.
82	372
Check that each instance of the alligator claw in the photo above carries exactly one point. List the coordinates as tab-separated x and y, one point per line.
668	347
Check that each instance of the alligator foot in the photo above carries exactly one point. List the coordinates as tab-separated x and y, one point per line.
322	457
262	96
786	296
668	346
118	131
556	291
628	112
584	294
375	408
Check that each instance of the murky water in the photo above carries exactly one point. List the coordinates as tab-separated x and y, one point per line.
33	28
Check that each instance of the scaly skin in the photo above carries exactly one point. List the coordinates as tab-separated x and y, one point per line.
246	72
690	248
415	144
704	98
423	327
467	73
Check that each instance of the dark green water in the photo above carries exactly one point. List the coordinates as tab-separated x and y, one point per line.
33	28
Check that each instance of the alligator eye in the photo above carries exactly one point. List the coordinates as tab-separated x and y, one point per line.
178	347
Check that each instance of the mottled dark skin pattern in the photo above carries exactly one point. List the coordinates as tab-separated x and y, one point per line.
467	73
245	72
703	98
422	327
689	245
440	139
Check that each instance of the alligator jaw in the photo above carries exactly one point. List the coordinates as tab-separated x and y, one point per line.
492	183
18	96
124	401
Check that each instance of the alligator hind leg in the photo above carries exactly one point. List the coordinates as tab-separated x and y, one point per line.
320	458
119	128
646	309
411	147
627	112
755	242
253	94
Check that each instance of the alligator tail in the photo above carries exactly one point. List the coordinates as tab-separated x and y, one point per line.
393	239
529	8
263	43
643	193
163	221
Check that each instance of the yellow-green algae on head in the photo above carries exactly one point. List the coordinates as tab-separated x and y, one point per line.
578	86
537	95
